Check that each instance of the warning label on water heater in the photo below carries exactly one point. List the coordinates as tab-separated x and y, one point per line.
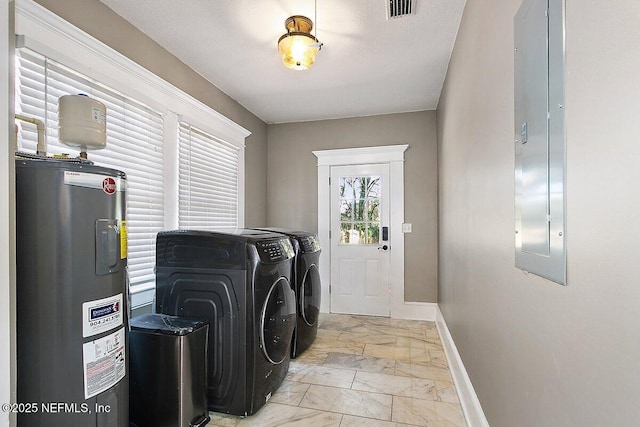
103	363
101	315
123	239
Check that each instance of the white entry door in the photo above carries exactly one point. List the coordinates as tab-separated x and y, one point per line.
359	239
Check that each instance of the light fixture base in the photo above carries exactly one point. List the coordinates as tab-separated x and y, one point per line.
298	23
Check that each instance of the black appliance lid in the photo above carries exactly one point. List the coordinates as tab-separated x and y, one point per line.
308	241
167	325
287	231
238	234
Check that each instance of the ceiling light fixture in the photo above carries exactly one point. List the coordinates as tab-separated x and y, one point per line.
298	47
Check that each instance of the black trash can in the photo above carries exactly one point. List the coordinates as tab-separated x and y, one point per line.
168	385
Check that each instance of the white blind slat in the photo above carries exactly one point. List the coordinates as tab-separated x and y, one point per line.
208	166
134	145
208	180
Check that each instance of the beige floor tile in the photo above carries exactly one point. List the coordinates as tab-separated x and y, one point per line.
339	322
352	402
412	325
296	366
322	375
418	343
423	370
290	393
311	357
223	420
324	317
277	415
447	392
405	354
434	344
414	411
427	413
361	363
395	323
367	338
366	330
418	333
398	386
352	421
338	347
364	371
438	358
328	334
450	413
373	320
433	334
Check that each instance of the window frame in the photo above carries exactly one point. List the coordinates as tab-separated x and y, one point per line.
46	33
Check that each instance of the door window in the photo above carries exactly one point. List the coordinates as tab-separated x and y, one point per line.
360	210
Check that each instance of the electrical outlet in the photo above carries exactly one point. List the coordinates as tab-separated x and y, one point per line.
406	227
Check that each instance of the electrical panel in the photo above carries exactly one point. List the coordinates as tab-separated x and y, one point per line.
540	139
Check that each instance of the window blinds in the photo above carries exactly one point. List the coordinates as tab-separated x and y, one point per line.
208	180
134	145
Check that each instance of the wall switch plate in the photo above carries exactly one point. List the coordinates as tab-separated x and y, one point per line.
406	227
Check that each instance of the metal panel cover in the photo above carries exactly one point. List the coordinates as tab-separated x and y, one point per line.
539	138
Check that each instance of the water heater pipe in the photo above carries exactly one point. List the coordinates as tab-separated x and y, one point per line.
41	148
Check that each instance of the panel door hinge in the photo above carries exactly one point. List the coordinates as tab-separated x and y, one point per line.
329	234
546	12
329	288
329	181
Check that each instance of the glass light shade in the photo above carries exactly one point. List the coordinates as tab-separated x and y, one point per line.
298	50
298	47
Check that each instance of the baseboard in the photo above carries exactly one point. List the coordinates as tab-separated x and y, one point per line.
416	311
473	412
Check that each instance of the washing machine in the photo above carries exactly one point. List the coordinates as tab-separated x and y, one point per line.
306	284
239	281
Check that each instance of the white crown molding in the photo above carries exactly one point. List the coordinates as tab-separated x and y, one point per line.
346	156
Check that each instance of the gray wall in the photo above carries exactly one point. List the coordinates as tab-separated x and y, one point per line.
540	354
105	25
293	181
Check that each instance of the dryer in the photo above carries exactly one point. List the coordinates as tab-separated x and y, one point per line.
238	280
306	284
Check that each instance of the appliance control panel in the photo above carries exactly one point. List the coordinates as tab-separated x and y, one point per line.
275	250
309	244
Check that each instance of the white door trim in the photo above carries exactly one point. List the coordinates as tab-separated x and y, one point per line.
7	217
394	156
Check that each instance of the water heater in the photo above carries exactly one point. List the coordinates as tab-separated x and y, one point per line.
72	296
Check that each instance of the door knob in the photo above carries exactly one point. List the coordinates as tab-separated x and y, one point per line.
383	247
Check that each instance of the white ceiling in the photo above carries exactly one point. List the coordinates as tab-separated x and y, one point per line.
367	66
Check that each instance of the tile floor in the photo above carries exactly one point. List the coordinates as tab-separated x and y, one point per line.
363	371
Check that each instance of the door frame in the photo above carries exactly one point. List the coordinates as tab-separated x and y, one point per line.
393	155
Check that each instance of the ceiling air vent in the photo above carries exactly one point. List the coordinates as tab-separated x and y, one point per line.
400	8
